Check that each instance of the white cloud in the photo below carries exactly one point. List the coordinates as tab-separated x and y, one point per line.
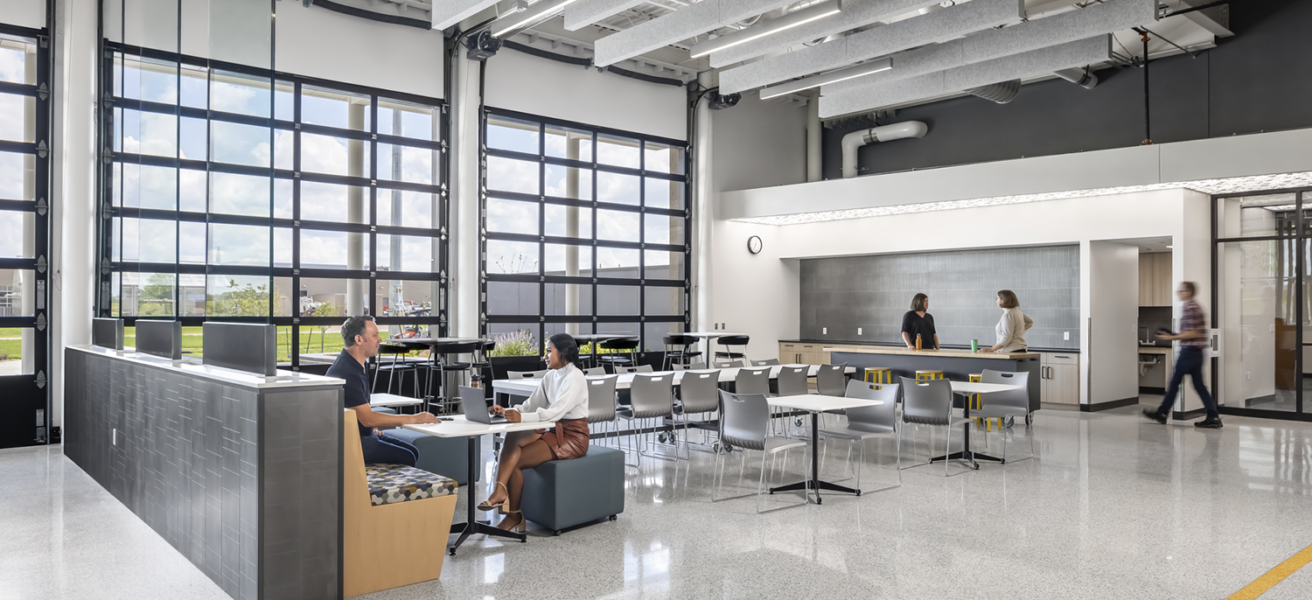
242	99
504	174
238	245
239	194
12	174
322	154
510	216
13	67
13	118
12	235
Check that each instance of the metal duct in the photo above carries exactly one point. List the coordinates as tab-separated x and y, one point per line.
1000	93
1081	77
853	142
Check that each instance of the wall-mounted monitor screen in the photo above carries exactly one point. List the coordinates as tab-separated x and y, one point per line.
160	338
250	347
107	333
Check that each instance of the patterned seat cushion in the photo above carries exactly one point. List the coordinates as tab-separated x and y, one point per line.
390	484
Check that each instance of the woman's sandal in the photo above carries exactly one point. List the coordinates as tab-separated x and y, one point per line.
504	505
521	526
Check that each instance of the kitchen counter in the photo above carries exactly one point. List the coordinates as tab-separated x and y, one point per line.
897	346
901	351
956	365
1154	350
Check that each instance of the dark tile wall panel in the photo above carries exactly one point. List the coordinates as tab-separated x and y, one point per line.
188	462
873	292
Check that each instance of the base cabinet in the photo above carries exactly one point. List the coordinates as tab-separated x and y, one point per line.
1060	377
802	354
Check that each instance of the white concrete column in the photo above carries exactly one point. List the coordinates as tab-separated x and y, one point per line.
814	140
465	260
73	193
355	212
703	215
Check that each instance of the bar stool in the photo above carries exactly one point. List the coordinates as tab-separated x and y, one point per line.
729	341
619	347
975	404
879	375
681	356
928	374
398	365
453	370
482	365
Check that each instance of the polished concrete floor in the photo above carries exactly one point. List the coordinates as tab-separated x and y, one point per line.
1114	506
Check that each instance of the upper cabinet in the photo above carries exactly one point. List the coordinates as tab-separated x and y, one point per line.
1155	281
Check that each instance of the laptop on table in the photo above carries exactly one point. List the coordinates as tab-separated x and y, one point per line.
475	404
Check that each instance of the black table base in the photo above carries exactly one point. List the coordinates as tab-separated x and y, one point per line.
471	525
814	483
966	453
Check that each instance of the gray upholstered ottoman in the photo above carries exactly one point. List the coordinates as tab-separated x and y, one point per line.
560	494
448	457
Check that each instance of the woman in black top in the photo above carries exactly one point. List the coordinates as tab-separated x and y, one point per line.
919	321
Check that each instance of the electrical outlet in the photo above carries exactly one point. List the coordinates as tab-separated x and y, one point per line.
1066	335
1248	375
858	331
114	438
824	331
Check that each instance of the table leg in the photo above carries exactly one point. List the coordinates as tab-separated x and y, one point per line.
471	525
966	453
814	482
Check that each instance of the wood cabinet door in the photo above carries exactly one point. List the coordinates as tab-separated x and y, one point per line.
1146	281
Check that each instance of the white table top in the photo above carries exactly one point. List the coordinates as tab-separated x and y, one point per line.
971	387
432	341
392	400
819	403
624	381
709	334
461	427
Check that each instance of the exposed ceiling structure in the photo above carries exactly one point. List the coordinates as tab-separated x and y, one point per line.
859	56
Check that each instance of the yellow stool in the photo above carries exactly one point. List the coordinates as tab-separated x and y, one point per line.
975	404
878	375
928	374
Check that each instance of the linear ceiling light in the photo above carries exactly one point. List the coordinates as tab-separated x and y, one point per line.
536	13
784	23
792	87
672	28
586	12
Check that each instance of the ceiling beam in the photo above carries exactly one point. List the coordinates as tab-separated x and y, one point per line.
935	27
1108	17
1025	65
687	22
582	13
449	12
856	13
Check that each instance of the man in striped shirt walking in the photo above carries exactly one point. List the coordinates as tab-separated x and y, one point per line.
1193	339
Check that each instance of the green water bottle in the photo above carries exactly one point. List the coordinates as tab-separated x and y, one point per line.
974	346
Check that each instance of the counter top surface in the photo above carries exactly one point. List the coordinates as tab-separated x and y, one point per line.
928	353
283	380
1154	350
835	344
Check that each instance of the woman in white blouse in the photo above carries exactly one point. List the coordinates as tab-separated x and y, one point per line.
1011	328
562	397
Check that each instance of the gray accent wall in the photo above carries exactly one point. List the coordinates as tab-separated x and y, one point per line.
246	484
873	292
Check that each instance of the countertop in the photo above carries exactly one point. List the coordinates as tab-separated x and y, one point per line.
1154	350
845	344
192	367
935	353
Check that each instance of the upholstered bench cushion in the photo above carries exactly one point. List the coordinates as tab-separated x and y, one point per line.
390	484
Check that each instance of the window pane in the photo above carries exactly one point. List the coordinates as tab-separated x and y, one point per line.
662	300
563	142
17	238
408	254
405	209
246	245
237	296
195	80
149	240
145	186
282	198
116	230
569	261
664	265
330	202
239	144
143	79
621	189
282	247
191	293
153	134
334	250
115	293
504	174
660	229
192	190
148	294
17	349
332	297
409	298
568	182
284	101
334	109
192	135
618	151
191	243
1254	216
17	179
512	134
509	216
404	163
17	294
240	93
512	298
659	193
654	336
14	59
19	121
617	262
414	121
568	299
618	226
558	221
240	194
662	158
334	156
511	257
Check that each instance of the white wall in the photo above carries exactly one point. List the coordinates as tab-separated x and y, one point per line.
24	13
545	87
1113	306
759	144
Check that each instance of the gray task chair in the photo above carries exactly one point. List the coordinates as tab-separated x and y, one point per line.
769	362
601	402
792	381
757	381
928	403
526	374
867	422
637	369
727	364
830	380
697	366
698	395
594	372
1012	403
651	397
745	424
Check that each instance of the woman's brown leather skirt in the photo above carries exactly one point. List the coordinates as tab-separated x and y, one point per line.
569	439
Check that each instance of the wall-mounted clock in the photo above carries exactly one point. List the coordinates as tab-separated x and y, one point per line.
754	244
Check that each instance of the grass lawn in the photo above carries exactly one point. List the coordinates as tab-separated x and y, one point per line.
11	348
193	342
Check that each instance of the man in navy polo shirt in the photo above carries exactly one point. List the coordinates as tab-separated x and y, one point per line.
362	341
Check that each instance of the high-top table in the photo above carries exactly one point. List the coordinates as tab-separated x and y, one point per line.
708	336
816	404
458	426
525	387
969	388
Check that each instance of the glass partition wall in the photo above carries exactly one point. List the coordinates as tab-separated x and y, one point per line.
233	191
1262	265
584	231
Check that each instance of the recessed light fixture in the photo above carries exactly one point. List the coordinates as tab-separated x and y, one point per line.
784	23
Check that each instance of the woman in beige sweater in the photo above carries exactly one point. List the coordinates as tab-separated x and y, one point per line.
1011	328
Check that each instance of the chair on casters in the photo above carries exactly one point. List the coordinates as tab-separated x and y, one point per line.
651	397
928	403
682	354
745	424
698	395
867	422
1011	403
765	363
623	352
729	341
601	402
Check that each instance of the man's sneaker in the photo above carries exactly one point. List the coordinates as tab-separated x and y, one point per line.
1154	415
1209	424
